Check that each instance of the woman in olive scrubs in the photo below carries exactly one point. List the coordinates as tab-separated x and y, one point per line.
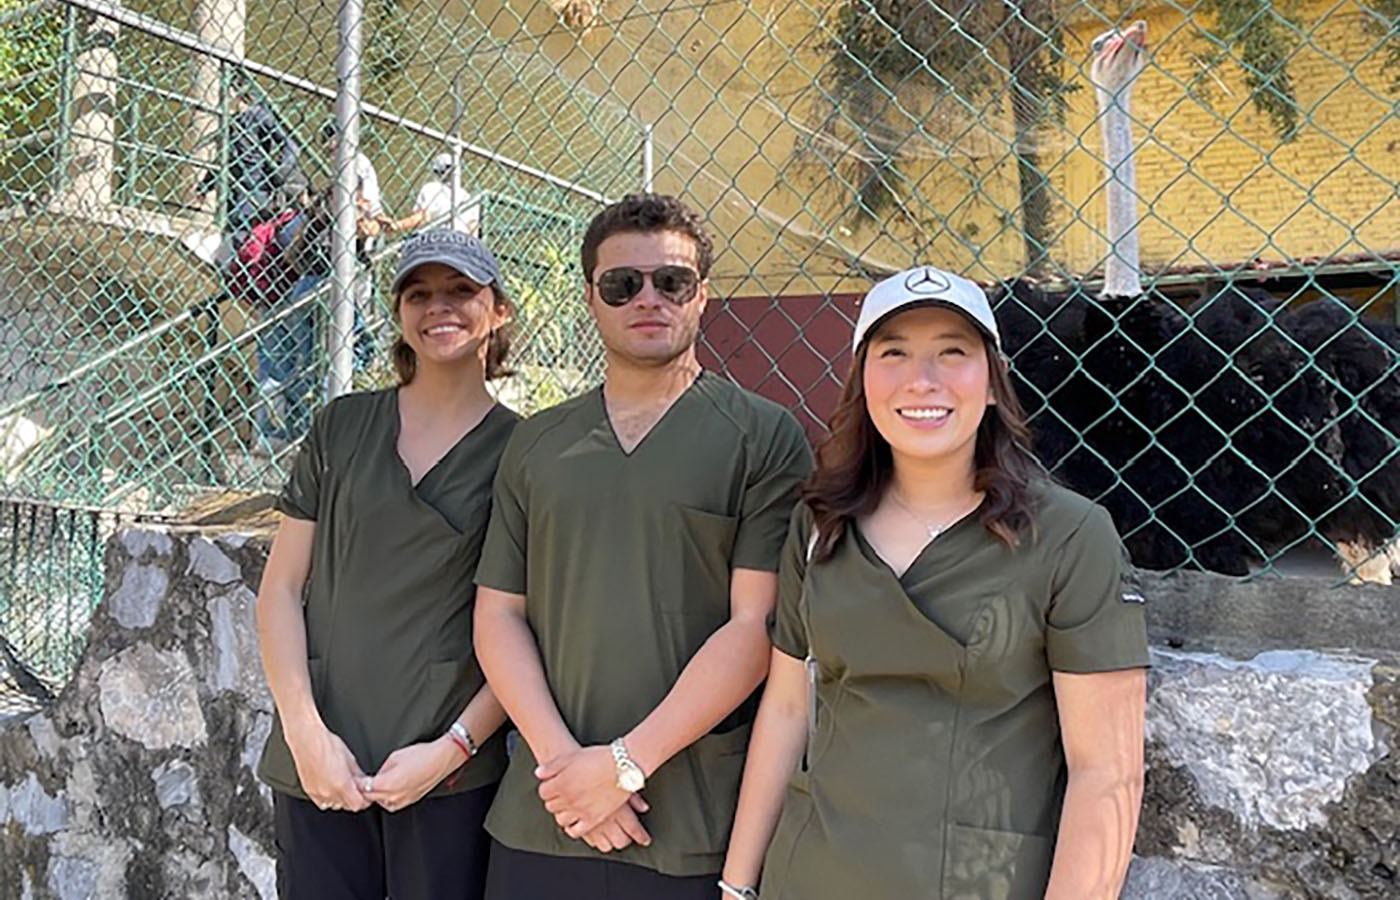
384	755
975	667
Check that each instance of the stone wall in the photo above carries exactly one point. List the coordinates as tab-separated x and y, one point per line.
1272	723
139	781
1271	772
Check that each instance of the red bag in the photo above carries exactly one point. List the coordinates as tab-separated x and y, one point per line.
257	275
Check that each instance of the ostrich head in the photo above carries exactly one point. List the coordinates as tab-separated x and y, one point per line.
1118	59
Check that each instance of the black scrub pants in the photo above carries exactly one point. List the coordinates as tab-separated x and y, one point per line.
435	849
518	875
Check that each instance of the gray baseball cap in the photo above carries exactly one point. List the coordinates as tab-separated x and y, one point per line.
463	252
925	286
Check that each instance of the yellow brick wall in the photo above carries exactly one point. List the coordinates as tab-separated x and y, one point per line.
1216	184
720	82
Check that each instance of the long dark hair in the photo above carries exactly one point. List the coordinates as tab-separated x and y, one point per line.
855	464
497	345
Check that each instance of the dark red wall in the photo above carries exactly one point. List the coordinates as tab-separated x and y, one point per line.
792	350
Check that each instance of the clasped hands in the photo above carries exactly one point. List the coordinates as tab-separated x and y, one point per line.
579	788
333	780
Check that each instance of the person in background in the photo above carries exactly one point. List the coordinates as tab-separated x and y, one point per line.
262	158
263	276
434	205
386	747
954	706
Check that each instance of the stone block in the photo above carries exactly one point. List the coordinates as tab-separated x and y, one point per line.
87	866
136	601
33	809
235	663
139	541
176	784
1156	878
150	696
255	864
211	564
1272	740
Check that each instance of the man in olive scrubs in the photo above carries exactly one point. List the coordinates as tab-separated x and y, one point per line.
625	586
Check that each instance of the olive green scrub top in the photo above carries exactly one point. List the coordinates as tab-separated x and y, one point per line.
624	561
936	768
390	596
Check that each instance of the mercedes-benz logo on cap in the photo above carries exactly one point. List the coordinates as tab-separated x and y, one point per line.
926	281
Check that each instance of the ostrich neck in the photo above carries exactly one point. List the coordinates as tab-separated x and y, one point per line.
1122	271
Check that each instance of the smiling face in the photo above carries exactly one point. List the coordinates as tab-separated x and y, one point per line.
446	317
648	330
928	384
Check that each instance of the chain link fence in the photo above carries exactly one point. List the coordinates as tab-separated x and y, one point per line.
51	571
1189	225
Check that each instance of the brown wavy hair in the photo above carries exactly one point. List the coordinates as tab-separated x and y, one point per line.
497	345
855	464
645	214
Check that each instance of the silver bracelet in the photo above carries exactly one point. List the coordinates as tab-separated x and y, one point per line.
464	736
738	893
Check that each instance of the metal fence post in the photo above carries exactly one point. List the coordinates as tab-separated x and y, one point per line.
341	337
648	159
455	176
221	190
67	64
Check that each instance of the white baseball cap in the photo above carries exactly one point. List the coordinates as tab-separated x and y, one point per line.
925	286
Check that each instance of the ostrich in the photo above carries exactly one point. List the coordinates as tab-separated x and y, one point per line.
1087	376
1212	434
1118	58
1240	391
1361	363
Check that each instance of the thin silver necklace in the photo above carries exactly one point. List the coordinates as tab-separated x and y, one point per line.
934	529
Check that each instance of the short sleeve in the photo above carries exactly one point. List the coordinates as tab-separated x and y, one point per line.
502	563
369	184
301	495
1094	623
789	630
425	198
770	493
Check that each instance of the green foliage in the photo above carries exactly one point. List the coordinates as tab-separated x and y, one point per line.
31	48
554	340
388	48
31	45
1385	24
1265	37
892	65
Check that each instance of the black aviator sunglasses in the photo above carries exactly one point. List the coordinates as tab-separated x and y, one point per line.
677	284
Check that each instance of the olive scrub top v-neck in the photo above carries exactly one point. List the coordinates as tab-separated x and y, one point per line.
936	769
624	561
390	596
